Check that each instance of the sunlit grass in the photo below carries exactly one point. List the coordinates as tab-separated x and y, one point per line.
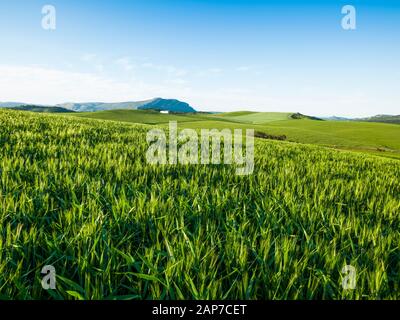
78	194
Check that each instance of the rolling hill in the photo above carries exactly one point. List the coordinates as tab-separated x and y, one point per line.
138	116
254	117
262	117
33	108
159	104
367	137
383	118
364	135
11	104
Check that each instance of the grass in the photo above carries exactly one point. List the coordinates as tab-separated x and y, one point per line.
373	138
137	116
77	194
255	117
360	136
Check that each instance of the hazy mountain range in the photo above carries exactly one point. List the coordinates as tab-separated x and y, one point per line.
160	104
41	109
385	118
335	118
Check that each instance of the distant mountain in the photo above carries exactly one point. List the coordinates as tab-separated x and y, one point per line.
82	107
171	105
334	118
298	116
379	118
34	108
159	104
382	118
10	104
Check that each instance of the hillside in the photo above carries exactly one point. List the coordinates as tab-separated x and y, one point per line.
262	117
11	104
336	118
160	104
374	138
171	105
377	118
33	108
254	117
383	119
138	116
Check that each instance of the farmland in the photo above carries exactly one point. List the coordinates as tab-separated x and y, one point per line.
77	194
378	139
139	116
254	117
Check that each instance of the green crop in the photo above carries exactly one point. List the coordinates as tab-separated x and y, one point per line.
78	194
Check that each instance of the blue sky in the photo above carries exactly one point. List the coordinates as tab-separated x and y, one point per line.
216	55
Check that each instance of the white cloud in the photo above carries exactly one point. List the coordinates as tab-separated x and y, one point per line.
243	68
168	69
41	85
35	84
176	81
89	57
94	61
125	63
209	72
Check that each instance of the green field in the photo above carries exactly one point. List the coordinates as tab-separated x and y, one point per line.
77	194
254	117
374	138
378	138
137	116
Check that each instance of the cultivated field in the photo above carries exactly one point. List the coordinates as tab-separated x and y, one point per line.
373	138
77	194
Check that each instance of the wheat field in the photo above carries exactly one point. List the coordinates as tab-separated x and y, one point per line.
77	194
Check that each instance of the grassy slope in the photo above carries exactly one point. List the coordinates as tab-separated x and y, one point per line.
234	114
137	116
81	197
365	137
348	135
357	135
255	117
